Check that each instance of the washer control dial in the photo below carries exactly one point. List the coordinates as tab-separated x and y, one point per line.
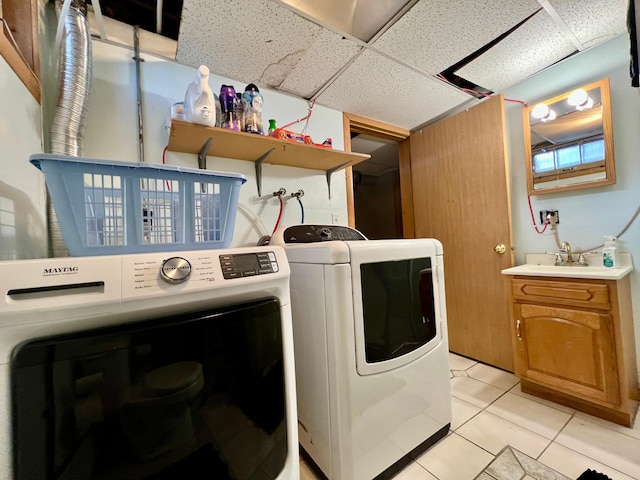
175	270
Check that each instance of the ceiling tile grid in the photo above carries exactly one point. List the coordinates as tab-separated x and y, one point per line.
381	89
267	42
384	155
325	57
531	48
593	21
360	19
249	40
436	34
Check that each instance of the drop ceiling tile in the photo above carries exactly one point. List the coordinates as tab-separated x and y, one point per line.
381	89
328	53
363	143
436	34
593	21
533	47
250	40
384	154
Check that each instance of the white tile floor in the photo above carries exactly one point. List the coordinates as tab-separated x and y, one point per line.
490	411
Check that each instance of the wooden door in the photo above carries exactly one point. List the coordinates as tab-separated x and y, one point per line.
461	197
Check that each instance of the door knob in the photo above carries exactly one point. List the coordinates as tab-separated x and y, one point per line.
500	248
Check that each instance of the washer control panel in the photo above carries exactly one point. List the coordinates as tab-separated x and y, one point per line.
162	273
248	264
319	233
175	270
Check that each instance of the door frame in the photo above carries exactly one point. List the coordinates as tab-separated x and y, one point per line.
374	128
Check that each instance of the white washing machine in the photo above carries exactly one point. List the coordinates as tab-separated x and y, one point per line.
371	351
148	366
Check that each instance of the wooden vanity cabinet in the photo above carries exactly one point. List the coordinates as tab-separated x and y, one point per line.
574	343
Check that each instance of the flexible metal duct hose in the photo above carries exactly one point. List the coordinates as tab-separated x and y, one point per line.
74	81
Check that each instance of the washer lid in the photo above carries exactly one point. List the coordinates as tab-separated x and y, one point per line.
322	244
309	233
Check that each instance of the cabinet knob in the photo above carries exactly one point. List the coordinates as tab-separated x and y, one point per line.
518	330
500	248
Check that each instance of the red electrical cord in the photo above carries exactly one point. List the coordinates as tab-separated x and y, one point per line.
163	162
279	215
533	220
303	118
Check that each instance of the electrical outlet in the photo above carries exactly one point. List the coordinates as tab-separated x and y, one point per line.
335	218
554	215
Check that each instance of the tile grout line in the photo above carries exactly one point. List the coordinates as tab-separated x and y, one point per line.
484	409
551	441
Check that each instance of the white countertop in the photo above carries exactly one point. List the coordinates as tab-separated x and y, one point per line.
538	265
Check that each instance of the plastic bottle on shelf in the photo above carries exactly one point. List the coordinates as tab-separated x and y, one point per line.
242	108
272	127
252	101
229	108
199	100
610	252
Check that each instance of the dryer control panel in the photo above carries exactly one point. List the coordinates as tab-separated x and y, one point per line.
316	233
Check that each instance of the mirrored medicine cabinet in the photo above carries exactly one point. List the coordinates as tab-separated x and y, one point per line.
569	140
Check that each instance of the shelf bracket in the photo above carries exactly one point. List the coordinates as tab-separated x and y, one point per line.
259	163
330	172
202	154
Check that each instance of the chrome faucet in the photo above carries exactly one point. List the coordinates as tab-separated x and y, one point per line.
567	248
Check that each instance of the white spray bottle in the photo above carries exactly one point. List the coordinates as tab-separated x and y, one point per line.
610	252
199	101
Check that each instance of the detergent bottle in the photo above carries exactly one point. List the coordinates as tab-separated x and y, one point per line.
199	101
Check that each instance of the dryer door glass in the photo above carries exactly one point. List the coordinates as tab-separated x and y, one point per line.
398	307
198	395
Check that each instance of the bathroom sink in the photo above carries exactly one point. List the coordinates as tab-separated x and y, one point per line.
592	270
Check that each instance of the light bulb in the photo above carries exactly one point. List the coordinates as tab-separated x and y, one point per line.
580	99
577	97
540	111
543	112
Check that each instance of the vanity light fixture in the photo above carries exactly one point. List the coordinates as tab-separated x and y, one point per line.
543	112
580	99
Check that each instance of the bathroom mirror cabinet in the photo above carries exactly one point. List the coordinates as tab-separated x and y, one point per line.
569	140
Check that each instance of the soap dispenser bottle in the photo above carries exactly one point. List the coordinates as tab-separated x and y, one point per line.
610	252
199	101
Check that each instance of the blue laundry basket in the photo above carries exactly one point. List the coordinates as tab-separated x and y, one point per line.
110	207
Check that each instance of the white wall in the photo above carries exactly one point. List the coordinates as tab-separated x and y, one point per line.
23	232
112	133
585	215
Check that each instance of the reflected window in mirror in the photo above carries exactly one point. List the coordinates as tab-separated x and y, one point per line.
569	140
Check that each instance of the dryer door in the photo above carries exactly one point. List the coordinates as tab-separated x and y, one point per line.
398	314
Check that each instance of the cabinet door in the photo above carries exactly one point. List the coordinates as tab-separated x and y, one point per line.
568	350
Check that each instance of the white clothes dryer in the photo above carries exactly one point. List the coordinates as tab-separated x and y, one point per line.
370	348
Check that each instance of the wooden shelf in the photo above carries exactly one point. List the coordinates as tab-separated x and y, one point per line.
190	138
